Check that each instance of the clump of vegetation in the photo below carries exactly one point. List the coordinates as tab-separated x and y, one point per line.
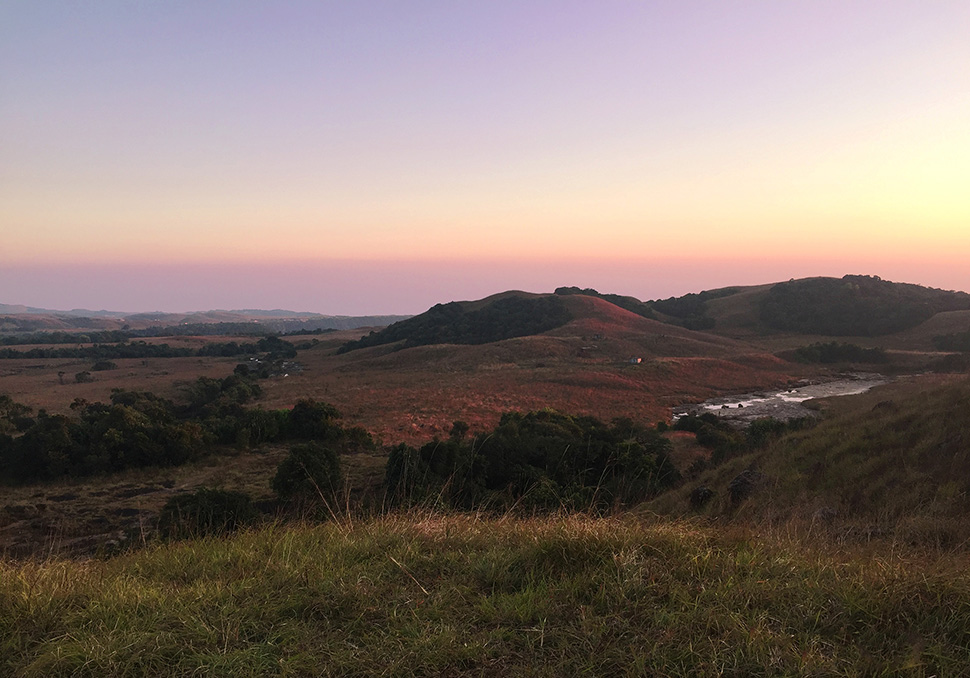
690	310
455	323
835	352
856	305
958	341
309	475
205	512
536	461
727	441
140	429
103	366
272	345
83	377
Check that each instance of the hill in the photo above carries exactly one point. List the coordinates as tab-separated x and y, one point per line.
855	306
504	316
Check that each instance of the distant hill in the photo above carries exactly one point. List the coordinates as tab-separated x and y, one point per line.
858	306
504	316
18	318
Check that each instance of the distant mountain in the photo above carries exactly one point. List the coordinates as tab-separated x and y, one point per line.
19	318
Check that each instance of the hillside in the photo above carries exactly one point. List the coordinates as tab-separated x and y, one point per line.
893	461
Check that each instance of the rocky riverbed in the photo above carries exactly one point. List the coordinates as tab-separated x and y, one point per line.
784	404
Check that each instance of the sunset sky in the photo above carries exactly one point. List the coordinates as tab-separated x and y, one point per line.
379	157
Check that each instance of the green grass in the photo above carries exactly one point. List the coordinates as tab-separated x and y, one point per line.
432	595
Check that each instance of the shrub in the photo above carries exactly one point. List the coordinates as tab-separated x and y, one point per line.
205	512
309	474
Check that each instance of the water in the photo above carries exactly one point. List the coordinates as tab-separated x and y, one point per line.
783	404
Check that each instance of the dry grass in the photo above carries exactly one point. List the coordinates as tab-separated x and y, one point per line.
432	595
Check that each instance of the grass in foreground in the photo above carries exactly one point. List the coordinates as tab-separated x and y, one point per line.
423	595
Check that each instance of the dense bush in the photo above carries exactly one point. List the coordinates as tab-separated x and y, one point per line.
457	323
273	346
205	512
141	429
540	460
310	474
958	341
690	310
726	441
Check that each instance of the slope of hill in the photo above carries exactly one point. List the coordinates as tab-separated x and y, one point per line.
895	460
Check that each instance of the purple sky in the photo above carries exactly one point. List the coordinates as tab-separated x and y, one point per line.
378	157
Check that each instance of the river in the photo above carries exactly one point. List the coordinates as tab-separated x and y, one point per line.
784	404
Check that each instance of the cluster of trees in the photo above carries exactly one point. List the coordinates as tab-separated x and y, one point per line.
141	429
835	352
539	461
142	349
690	310
135	429
958	341
856	305
456	323
90	337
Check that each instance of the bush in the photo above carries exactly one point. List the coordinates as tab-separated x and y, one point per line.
83	377
537	461
103	365
205	512
310	474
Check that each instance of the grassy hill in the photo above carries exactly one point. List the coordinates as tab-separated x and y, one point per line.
863	308
453	595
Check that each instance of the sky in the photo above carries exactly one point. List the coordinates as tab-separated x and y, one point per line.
379	157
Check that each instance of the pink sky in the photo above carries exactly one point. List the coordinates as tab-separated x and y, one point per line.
407	287
379	157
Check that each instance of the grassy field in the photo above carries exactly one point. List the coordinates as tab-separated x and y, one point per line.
448	595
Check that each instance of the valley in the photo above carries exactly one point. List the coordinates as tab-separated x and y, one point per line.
877	472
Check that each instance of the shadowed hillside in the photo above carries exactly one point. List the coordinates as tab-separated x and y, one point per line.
896	459
496	318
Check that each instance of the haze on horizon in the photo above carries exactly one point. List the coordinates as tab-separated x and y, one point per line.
379	157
